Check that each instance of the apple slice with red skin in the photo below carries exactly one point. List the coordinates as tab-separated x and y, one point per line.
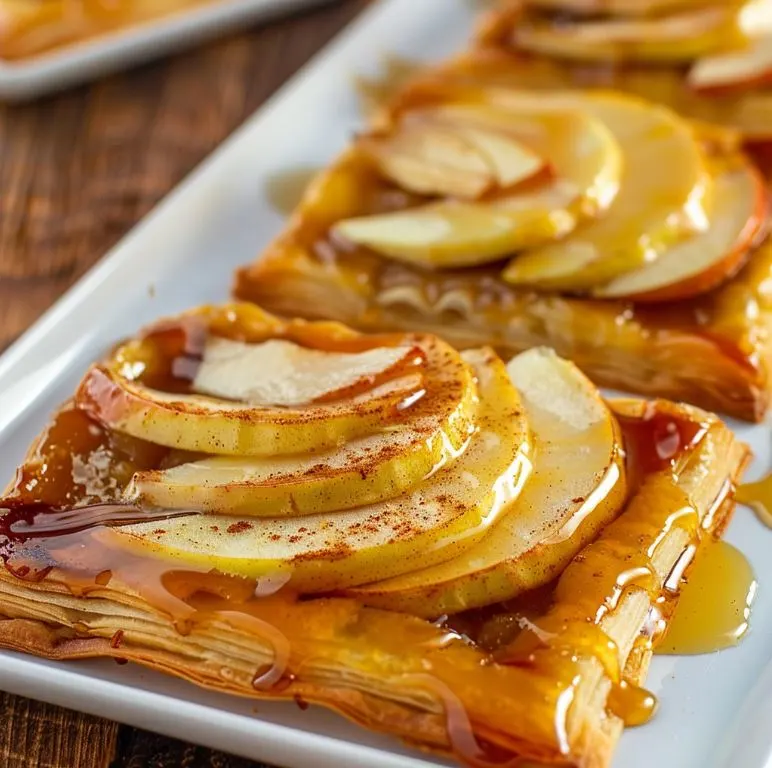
737	223
750	67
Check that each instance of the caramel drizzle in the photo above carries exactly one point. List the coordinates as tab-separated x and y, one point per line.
758	496
461	732
80	548
571	631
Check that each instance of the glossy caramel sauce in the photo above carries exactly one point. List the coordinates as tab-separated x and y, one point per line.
714	602
656	438
631	704
758	496
285	190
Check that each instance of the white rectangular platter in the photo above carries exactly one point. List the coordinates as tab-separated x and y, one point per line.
72	64
715	710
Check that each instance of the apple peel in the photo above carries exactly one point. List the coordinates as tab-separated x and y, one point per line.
738	221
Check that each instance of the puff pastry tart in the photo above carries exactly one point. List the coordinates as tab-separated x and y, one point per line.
710	60
461	553
602	225
32	27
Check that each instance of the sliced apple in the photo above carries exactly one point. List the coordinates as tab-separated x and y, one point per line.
692	267
432	159
749	112
586	164
664	189
679	37
447	235
755	18
364	471
748	67
446	514
577	486
511	161
216	426
279	372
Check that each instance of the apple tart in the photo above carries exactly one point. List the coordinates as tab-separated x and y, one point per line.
710	60
32	27
475	557
599	224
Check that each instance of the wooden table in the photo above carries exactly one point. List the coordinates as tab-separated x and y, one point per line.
77	171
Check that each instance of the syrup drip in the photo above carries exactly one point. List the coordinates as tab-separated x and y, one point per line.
714	603
632	705
460	729
285	190
758	496
588	590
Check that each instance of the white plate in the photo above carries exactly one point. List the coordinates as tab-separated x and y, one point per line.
81	61
184	254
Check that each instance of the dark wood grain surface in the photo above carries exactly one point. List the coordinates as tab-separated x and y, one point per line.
77	171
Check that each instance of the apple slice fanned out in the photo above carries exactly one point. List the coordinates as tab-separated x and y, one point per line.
364	471
201	423
577	486
586	166
429	161
396	457
663	191
512	162
281	373
737	222
446	514
679	37
746	68
432	159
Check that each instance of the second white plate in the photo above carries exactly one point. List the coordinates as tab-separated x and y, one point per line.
79	62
